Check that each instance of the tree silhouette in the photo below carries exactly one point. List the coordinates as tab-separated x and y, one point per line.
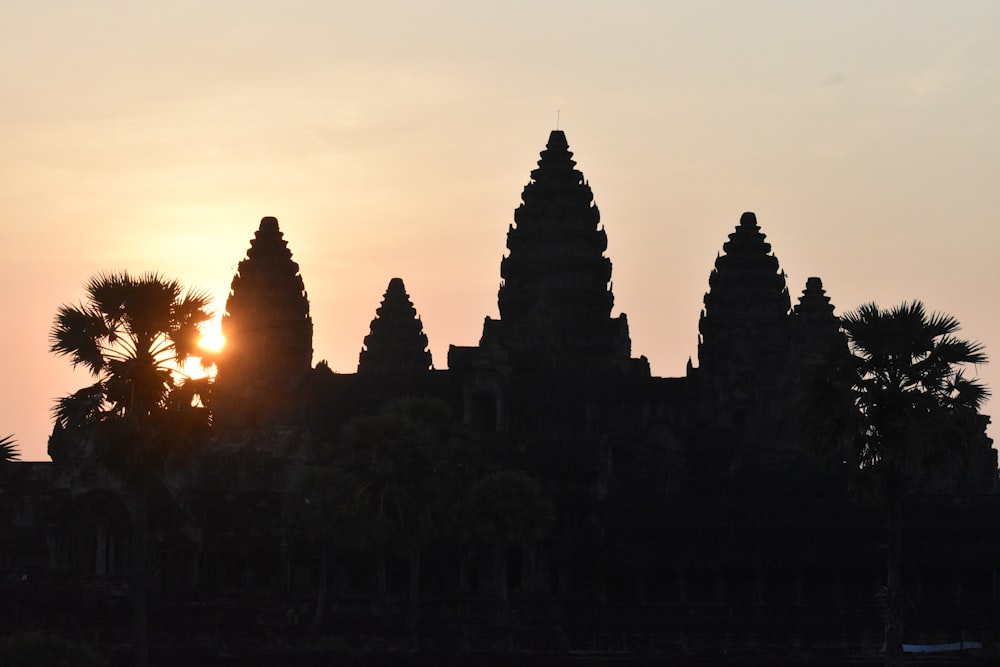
8	449
403	468
8	454
508	507
130	333
325	516
901	409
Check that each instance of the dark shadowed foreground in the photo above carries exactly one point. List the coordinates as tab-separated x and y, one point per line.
543	500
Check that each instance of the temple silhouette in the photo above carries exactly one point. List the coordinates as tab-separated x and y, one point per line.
688	514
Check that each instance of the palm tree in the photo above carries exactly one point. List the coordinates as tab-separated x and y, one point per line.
901	408
8	454
130	333
325	515
375	468
8	449
402	468
508	507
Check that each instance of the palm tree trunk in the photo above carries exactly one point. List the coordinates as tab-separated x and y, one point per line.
500	569
196	566
463	572
414	588
530	568
324	574
383	585
140	542
893	608
286	564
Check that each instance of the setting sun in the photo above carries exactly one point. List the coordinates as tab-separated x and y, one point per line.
212	339
211	343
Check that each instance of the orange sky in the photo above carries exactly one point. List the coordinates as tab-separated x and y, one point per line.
394	138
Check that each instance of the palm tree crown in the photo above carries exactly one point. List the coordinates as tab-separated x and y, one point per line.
129	334
913	401
8	449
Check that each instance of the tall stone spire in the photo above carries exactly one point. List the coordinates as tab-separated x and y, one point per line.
744	355
745	319
555	300
397	343
268	334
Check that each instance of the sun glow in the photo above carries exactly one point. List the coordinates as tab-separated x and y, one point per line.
210	343
212	340
195	368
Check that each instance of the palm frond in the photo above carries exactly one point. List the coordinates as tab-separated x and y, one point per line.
951	350
941	325
77	333
8	449
81	408
967	394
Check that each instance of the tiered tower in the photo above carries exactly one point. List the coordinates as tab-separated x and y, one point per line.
555	299
816	330
268	334
743	351
745	320
397	343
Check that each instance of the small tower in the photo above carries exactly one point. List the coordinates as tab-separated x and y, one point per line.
555	299
815	329
268	334
817	344
396	343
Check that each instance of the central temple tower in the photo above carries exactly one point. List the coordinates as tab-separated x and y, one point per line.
556	349
555	299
